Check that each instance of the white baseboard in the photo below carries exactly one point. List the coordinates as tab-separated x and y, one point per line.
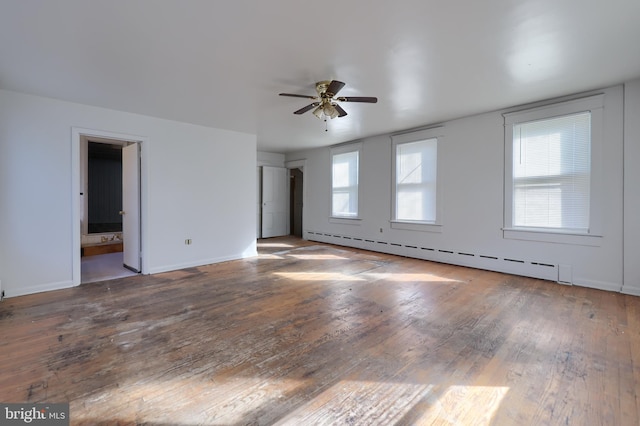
599	285
630	290
22	291
202	262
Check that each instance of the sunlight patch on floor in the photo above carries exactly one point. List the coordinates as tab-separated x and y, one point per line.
317	257
269	256
396	277
187	401
188	397
274	245
369	402
338	276
465	405
360	402
318	276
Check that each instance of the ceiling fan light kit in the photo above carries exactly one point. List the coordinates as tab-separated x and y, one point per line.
325	105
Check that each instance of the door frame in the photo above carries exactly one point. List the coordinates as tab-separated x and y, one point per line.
302	165
131	204
76	139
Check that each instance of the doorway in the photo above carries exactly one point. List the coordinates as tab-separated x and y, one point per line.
103	189
295	201
297	191
107	191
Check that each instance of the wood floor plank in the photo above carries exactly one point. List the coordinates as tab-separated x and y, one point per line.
308	333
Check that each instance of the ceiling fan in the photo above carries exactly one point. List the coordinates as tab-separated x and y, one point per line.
325	102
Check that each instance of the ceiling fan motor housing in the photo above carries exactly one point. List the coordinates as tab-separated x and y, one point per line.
321	88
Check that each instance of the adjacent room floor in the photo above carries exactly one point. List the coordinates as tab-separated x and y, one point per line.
103	267
308	333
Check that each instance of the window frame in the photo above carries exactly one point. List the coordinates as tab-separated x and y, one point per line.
593	104
411	137
338	150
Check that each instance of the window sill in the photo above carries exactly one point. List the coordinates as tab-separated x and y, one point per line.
549	236
416	226
345	220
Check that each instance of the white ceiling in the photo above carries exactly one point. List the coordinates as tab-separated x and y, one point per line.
222	63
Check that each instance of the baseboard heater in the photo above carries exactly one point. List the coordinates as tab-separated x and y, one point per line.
511	265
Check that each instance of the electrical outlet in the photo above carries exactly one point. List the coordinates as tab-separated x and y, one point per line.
187	241
381	230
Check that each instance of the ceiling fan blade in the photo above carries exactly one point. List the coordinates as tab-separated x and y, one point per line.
298	96
334	87
367	99
307	108
341	112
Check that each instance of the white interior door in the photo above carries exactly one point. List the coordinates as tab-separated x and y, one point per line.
274	201
131	206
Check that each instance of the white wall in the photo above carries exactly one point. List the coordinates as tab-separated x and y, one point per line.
632	188
270	159
198	183
472	162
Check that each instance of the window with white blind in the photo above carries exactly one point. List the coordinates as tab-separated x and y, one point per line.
416	172
552	173
345	164
415	180
549	173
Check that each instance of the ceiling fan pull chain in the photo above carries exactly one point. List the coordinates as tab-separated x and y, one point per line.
326	129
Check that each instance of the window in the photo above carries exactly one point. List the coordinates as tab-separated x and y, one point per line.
550	167
415	180
551	173
345	163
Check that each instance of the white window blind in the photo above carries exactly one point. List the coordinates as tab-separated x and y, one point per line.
416	173
552	173
345	184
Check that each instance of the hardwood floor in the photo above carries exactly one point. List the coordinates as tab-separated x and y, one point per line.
309	333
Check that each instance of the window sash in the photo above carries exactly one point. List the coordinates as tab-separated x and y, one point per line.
551	173
415	181
345	184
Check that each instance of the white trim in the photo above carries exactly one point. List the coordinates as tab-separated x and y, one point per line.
302	165
296	164
76	238
22	291
600	285
552	237
345	220
417	135
421	135
343	149
632	291
593	237
76	133
558	109
202	262
416	226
